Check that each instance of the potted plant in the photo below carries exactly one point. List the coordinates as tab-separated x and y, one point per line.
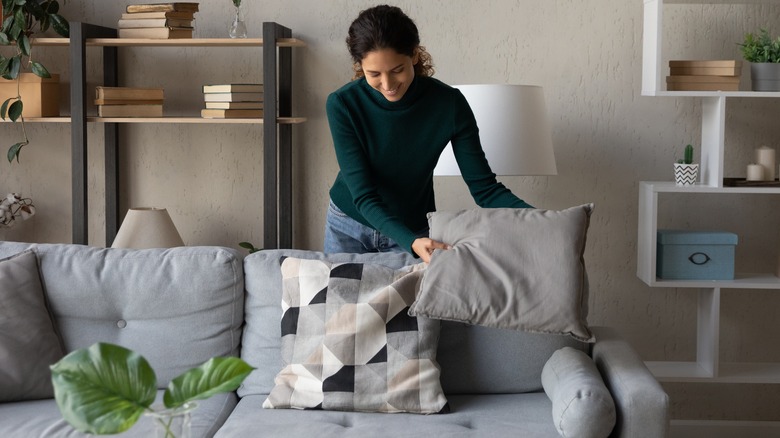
20	18
105	388
763	53
685	171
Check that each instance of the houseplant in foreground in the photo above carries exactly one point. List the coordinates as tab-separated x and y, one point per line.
763	53
685	171
20	17
105	388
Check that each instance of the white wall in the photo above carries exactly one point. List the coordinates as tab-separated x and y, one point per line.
586	55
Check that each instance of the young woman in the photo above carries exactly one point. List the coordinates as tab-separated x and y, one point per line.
389	126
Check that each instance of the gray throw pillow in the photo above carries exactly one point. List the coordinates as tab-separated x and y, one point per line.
520	269
581	404
28	340
348	343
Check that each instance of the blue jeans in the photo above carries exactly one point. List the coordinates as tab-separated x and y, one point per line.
344	234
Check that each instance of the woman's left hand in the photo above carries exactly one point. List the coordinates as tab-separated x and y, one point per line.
424	247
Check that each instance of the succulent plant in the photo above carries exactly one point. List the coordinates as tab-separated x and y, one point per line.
688	157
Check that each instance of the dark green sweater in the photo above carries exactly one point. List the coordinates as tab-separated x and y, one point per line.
387	151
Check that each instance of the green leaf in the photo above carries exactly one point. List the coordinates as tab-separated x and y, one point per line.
24	45
52	7
40	70
60	25
15	110
219	374
4	107
20	20
248	246
16	65
4	63
4	39
20	2
13	152
8	23
8	4
103	389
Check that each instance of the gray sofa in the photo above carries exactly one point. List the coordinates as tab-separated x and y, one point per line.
181	306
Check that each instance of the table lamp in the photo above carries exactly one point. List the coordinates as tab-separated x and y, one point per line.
513	128
147	227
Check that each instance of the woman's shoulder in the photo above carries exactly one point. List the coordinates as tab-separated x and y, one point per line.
444	91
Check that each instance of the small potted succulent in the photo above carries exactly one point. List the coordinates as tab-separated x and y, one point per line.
763	53
685	171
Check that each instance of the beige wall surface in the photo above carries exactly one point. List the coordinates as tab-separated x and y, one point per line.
586	55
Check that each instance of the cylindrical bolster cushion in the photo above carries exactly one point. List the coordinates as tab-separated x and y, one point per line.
581	404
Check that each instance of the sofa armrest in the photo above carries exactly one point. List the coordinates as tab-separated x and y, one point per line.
641	403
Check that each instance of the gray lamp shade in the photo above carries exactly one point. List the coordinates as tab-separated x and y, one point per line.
147	227
513	128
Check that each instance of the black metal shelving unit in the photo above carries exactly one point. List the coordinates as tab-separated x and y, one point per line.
277	125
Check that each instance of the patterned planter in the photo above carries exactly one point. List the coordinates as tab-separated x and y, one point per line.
685	174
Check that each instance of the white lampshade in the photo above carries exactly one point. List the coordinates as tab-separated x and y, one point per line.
513	128
147	227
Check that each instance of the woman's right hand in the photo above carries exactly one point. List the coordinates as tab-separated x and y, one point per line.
424	247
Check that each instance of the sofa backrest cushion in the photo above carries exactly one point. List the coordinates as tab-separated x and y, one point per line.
473	359
177	307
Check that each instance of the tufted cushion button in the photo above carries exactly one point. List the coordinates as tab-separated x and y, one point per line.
121	323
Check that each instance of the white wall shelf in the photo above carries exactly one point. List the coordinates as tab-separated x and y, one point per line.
707	367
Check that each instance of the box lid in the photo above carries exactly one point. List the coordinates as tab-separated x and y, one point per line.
688	237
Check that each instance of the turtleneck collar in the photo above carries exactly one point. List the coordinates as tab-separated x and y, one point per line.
415	90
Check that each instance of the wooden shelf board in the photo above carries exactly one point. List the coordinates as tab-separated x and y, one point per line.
42	120
182	42
171	119
688	372
191	119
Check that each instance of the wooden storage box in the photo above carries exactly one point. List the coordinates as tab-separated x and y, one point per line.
695	255
41	96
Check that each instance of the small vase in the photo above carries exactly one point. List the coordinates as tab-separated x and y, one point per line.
237	26
174	422
686	174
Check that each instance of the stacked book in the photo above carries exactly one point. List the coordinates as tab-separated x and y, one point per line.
225	101
129	102
159	20
716	75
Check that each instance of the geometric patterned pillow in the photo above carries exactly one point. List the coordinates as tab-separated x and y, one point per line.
348	343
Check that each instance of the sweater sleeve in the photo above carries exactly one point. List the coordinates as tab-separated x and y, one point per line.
474	167
356	172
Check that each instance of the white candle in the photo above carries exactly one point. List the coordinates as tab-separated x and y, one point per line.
765	156
755	172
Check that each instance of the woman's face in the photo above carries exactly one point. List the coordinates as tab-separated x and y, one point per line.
389	72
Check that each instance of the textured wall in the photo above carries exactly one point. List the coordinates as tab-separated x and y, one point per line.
586	55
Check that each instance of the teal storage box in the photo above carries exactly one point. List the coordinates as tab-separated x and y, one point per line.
695	255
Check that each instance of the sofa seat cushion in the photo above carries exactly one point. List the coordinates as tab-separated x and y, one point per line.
42	418
521	415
